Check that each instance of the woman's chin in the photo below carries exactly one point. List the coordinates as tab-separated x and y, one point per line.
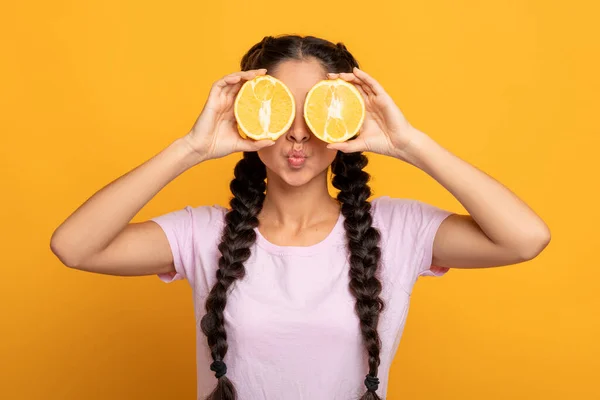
296	179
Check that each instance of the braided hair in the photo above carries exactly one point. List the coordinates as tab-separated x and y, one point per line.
248	188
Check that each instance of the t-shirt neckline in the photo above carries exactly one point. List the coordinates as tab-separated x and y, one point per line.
323	245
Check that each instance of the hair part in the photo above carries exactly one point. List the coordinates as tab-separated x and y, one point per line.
248	188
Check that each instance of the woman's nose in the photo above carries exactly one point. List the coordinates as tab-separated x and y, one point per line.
298	135
299	131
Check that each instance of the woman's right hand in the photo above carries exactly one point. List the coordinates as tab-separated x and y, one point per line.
215	133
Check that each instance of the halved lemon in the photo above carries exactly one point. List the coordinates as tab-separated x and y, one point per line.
264	108
334	110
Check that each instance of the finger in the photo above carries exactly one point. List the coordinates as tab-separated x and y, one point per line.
225	81
245	76
361	89
351	77
360	82
370	81
342	75
350	146
254	145
248	75
237	76
347	76
260	71
232	79
238	79
251	74
233	89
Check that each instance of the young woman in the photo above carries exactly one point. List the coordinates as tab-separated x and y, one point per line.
299	295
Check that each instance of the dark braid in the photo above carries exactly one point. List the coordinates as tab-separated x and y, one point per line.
363	245
248	188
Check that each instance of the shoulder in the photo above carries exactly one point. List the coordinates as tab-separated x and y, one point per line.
408	228
387	207
191	219
405	214
193	234
386	204
213	215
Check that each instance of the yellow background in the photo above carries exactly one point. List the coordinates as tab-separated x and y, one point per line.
91	89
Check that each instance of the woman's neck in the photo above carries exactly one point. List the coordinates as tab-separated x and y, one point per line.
298	206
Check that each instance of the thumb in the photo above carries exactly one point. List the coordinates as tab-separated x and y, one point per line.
346	147
255	145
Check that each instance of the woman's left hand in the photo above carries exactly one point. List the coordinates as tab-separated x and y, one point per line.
385	130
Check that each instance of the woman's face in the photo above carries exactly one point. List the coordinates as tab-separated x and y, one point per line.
298	156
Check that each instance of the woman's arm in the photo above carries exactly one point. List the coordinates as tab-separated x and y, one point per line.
500	230
81	240
99	237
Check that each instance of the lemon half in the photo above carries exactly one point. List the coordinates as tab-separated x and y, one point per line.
264	108
334	110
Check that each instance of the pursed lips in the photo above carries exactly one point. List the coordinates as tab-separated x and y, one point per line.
296	154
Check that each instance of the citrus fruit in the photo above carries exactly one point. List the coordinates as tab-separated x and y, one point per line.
334	110
264	108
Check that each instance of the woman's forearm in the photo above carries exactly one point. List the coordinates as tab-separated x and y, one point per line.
502	216
92	226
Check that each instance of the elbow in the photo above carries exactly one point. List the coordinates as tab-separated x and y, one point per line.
59	250
535	244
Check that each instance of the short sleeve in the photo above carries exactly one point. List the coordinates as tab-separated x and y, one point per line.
408	229
192	233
